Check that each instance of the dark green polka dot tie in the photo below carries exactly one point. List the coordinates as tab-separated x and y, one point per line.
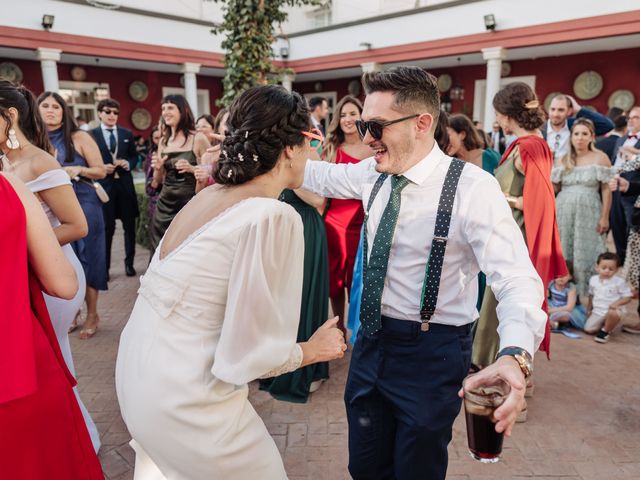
375	269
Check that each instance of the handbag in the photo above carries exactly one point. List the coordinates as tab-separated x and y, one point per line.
103	196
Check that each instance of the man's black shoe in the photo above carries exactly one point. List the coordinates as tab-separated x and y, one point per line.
129	270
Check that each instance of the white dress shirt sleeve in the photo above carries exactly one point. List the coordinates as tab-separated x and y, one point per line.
336	180
502	255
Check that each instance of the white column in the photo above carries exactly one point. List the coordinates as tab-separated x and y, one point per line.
493	57
189	71
287	81
49	58
370	67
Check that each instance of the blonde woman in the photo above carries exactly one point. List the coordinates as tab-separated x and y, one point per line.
343	218
583	218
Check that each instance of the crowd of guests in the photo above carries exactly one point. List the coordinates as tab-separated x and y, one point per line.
568	181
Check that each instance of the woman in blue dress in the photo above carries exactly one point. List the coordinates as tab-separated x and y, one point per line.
78	154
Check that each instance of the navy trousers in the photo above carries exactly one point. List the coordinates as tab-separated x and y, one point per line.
620	221
402	398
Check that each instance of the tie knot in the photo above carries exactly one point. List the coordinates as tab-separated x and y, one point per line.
398	182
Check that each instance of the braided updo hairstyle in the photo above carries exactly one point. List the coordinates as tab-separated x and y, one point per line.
262	121
518	101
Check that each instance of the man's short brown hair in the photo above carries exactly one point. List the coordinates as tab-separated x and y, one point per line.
415	90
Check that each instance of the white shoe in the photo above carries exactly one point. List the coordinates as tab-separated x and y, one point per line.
315	385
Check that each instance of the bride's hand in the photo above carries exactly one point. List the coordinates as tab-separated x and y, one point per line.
327	342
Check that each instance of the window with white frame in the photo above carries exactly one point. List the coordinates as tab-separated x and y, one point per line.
83	98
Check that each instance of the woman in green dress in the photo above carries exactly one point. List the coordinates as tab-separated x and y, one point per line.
296	386
583	202
524	175
179	152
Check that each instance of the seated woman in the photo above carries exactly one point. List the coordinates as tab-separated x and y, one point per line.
220	304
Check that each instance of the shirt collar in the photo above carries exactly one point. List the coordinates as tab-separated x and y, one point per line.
551	131
106	129
425	167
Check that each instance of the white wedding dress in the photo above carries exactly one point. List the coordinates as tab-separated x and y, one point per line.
62	312
220	310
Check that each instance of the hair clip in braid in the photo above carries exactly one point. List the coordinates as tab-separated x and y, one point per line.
255	157
240	157
246	134
229	173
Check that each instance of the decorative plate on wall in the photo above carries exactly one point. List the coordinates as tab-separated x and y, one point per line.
505	69
138	91
548	98
444	82
79	74
10	71
141	118
588	85
623	99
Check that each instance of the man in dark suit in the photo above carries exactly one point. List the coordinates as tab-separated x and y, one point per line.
608	144
627	147
498	139
319	109
563	111
119	154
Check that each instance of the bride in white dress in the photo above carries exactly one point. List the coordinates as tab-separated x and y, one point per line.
219	306
25	155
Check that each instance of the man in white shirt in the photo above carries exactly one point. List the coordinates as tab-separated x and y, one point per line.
119	155
402	394
319	109
563	111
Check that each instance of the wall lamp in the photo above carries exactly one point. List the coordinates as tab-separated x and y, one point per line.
47	21
490	22
366	45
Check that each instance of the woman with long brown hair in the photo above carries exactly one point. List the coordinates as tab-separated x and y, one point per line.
78	154
179	152
343	218
583	218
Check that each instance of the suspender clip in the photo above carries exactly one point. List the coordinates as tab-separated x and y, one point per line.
426	315
440	239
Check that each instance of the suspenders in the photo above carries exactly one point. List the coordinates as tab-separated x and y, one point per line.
433	272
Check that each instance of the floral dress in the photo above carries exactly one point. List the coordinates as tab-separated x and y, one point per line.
578	208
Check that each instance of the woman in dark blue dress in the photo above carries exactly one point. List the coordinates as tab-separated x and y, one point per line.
78	154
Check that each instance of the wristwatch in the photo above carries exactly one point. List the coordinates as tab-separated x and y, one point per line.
522	357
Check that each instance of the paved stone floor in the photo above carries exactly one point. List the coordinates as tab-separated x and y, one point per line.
584	420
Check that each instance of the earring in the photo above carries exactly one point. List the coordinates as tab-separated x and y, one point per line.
12	141
290	164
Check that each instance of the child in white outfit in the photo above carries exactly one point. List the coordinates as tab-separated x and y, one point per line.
607	293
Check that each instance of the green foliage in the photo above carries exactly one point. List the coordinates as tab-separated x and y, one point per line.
248	27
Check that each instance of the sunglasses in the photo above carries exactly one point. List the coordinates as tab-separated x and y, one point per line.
375	127
109	112
314	134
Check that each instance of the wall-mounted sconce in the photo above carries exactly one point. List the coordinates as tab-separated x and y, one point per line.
47	21
490	22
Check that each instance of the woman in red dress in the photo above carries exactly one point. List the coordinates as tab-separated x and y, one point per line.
343	218
43	432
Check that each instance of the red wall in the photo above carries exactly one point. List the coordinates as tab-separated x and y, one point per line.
119	80
619	69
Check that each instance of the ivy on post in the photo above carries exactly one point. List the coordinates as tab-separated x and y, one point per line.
248	27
